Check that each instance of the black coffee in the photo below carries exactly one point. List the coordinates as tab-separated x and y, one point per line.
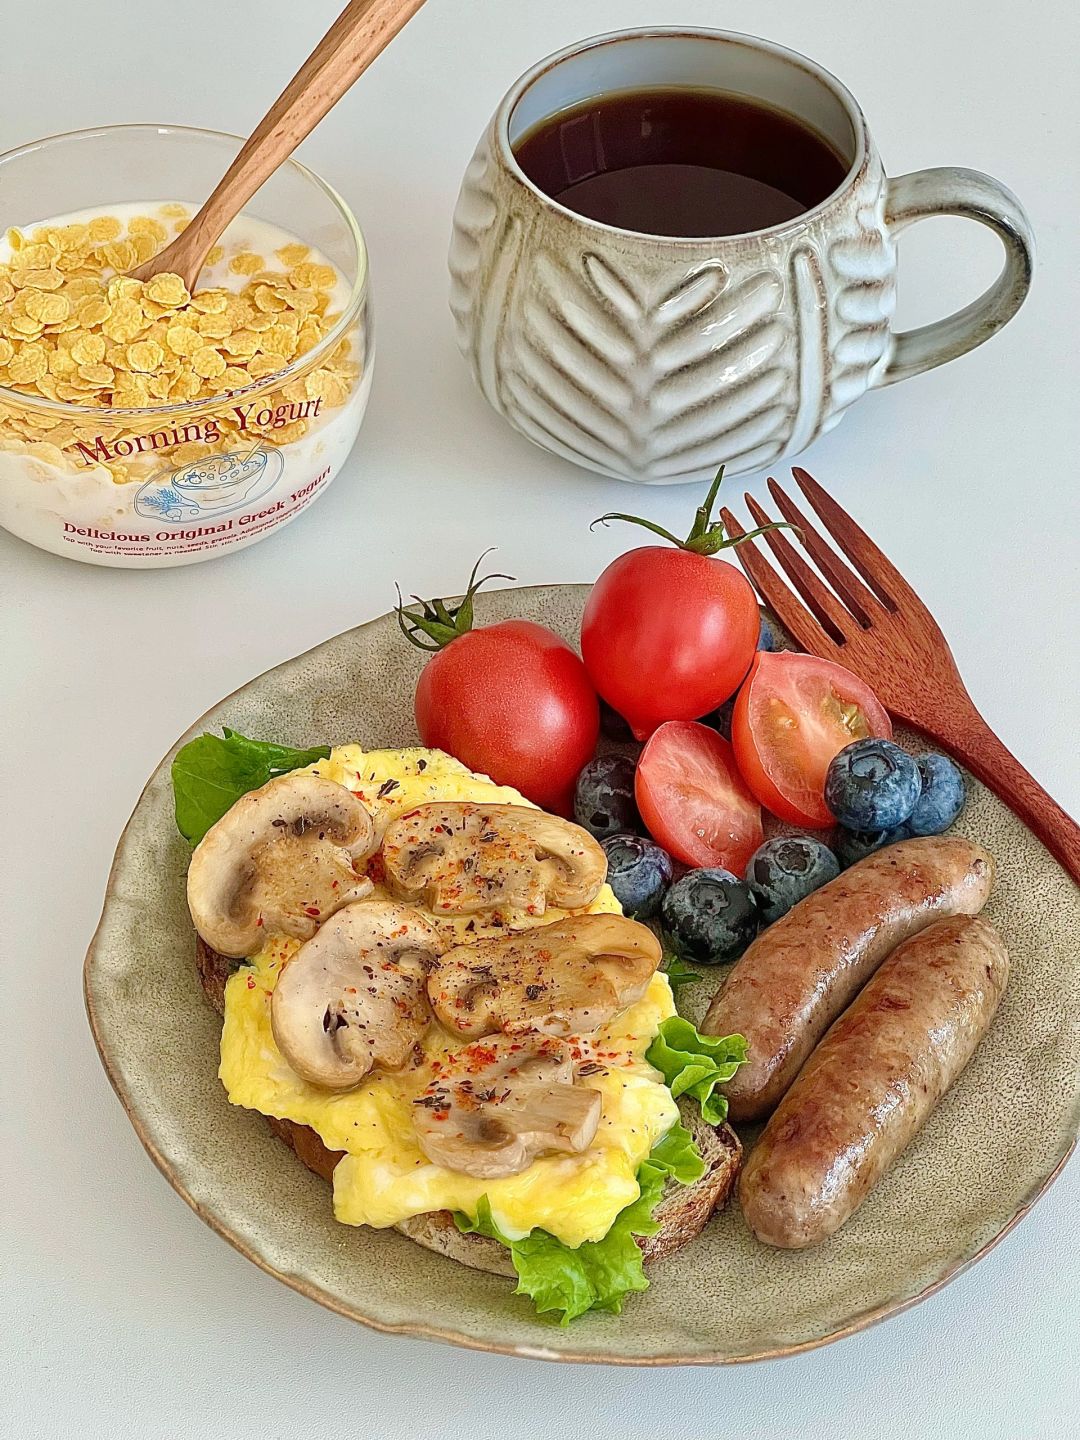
680	162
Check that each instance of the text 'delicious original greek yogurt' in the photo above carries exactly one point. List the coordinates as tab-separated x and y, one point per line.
143	426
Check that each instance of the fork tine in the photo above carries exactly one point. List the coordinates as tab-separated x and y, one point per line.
879	573
795	618
826	609
860	601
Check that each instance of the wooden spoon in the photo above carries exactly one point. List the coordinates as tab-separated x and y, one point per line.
360	33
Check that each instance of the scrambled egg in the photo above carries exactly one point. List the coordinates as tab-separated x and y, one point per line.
384	1177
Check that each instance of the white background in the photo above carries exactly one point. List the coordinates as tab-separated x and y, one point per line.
125	1316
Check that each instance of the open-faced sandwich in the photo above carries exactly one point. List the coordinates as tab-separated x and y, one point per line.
432	995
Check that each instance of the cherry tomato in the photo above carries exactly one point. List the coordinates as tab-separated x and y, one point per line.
693	799
511	700
792	715
668	634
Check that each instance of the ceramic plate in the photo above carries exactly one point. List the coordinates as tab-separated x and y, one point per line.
985	1156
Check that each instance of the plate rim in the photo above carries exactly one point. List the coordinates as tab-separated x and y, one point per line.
418	1329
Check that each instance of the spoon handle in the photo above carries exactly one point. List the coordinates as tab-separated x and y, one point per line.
360	33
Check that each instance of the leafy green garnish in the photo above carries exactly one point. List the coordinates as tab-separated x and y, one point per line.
694	1064
677	1156
679	973
211	772
599	1274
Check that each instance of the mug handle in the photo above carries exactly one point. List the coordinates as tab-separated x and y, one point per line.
951	190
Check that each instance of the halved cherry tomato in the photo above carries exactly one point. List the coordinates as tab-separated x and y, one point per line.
693	799
792	715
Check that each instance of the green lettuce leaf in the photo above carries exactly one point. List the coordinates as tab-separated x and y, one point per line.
694	1064
678	972
211	772
675	1156
599	1274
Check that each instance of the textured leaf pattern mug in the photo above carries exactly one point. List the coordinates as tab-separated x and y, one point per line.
656	359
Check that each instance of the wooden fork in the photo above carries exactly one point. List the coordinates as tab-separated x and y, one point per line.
872	622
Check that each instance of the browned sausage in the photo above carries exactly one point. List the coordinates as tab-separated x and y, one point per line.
869	1086
798	975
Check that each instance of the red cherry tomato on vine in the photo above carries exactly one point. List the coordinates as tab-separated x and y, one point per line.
510	700
693	799
793	714
668	634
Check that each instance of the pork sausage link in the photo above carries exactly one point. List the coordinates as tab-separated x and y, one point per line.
801	972
869	1086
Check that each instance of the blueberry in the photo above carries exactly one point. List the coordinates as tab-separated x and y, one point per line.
639	872
785	870
942	797
872	785
766	636
855	845
709	917
612	723
604	797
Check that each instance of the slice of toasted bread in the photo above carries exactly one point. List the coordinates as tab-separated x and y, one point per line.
683	1212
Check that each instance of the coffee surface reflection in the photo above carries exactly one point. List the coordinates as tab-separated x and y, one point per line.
679	161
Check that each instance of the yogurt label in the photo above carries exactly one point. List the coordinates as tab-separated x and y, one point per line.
210	487
195	533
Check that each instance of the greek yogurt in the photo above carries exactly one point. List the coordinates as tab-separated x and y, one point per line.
173	484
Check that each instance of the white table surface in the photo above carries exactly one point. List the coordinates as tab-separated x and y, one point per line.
123	1315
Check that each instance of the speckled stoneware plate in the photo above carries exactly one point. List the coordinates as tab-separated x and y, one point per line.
986	1155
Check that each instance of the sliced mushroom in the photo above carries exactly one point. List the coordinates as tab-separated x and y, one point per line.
354	998
568	978
458	857
495	1107
281	860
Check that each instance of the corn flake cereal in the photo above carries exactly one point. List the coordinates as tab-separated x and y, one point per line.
268	299
103	228
144	355
28	365
208	362
146	225
183	339
167	290
246	263
49	309
215	326
93	310
87	349
75	328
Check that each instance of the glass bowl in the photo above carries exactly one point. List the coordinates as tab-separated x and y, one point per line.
173	483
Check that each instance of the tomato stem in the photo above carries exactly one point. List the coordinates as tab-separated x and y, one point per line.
707	535
437	621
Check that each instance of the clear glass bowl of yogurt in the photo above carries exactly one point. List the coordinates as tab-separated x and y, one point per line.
134	433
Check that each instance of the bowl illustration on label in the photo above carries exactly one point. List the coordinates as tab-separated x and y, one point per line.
212	485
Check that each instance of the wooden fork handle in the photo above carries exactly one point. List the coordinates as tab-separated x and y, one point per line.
969	738
359	34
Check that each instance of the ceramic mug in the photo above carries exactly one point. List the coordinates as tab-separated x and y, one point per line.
654	358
